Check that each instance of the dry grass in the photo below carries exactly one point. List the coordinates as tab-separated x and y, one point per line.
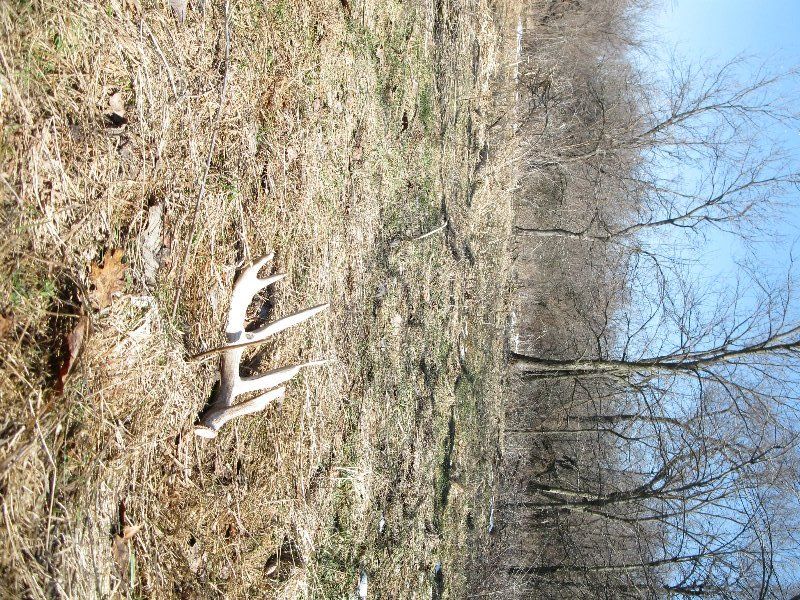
345	133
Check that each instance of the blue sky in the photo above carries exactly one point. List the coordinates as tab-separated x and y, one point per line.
723	28
716	31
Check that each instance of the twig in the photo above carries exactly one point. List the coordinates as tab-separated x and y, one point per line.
164	59
201	194
430	233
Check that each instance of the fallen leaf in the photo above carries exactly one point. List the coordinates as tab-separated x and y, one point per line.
121	548
115	115
6	324
74	343
150	243
107	279
271	568
116	104
130	530
122	554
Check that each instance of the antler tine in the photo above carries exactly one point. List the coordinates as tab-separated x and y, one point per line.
269	329
275	377
215	418
247	285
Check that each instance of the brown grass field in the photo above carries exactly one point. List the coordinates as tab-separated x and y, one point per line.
342	133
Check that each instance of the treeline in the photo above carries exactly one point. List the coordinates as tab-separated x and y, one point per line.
651	443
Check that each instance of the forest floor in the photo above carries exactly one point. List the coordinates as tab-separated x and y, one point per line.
145	158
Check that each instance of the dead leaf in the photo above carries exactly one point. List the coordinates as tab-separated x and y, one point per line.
122	554
195	555
115	115
271	567
107	279
179	8
6	325
121	549
116	104
150	243
74	343
130	530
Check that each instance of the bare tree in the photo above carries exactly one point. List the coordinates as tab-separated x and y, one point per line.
654	426
700	118
699	495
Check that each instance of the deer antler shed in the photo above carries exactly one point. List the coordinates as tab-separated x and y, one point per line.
223	408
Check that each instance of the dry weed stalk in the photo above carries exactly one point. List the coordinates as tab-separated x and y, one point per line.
232	384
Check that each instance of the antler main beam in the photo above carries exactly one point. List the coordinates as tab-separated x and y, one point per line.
232	384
